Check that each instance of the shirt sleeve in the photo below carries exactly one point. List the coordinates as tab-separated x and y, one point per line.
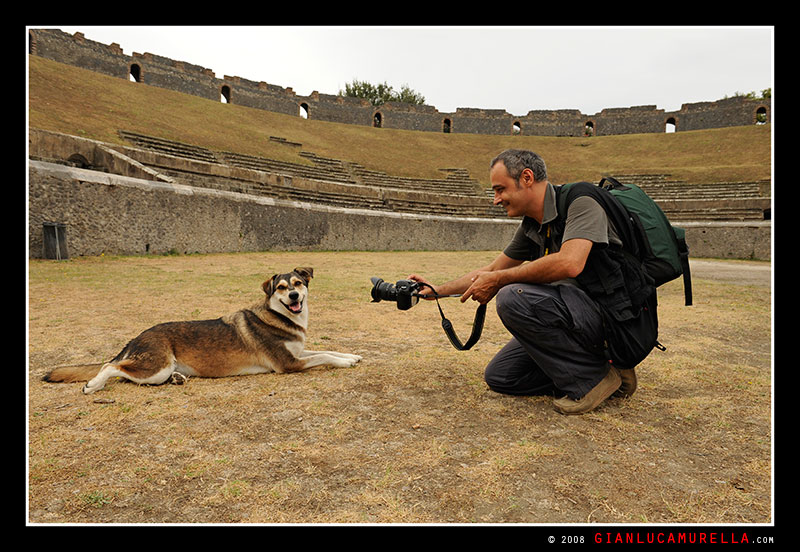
587	220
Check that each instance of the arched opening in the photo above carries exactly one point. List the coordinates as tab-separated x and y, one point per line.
135	74
446	126
761	115
78	160
588	128
516	128
225	94
670	126
377	119
304	110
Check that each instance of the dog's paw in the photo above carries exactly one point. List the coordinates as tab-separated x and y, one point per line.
178	379
351	360
345	361
87	389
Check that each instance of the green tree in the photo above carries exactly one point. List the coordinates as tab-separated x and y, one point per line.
766	94
381	93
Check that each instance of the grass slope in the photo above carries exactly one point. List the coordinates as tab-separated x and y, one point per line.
76	101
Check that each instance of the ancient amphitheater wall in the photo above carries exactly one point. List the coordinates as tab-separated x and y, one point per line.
188	78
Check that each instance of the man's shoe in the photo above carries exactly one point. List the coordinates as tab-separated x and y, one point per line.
593	398
628	385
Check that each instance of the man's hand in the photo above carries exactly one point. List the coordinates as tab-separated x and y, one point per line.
427	288
485	286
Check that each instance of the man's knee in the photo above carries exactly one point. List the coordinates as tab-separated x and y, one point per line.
507	302
531	305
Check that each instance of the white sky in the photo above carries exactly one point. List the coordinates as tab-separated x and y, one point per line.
517	69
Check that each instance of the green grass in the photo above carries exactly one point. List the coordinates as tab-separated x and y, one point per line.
76	101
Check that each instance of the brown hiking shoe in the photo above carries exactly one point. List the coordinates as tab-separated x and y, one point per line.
628	385
593	398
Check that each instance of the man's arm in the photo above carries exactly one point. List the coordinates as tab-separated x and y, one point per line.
568	262
460	285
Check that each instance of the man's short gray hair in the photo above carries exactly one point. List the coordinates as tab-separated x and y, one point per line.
516	160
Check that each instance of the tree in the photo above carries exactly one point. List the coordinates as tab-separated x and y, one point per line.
381	93
766	94
409	96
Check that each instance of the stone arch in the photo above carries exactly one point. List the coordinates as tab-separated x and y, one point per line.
304	110
78	160
135	72
761	115
377	120
671	125
516	128
446	126
588	128
225	94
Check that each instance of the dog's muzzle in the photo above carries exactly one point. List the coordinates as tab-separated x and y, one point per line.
295	306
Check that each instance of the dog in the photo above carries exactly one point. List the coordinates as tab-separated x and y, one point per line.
268	337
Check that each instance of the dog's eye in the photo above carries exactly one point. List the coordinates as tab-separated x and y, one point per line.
298	284
282	287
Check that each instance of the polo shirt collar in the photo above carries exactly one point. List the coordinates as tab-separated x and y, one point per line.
549	212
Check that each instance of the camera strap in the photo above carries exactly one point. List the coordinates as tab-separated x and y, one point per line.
477	328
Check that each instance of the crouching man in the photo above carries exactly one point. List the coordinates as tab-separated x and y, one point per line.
549	283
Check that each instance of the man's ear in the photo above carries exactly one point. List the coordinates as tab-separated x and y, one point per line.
269	286
526	177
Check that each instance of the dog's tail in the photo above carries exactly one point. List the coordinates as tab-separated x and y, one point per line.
69	374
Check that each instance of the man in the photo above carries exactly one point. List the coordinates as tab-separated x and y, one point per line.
558	343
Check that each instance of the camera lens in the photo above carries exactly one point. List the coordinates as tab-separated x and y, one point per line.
382	291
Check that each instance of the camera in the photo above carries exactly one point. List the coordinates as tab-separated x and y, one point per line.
404	292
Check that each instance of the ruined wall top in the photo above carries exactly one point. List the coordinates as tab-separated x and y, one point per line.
181	76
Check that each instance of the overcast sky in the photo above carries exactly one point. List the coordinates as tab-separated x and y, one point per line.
517	69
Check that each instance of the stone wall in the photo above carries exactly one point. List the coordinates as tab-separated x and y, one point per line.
111	214
193	79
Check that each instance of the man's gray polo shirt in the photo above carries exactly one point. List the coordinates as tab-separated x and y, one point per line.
586	219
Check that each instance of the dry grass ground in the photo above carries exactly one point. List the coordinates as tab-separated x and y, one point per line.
410	435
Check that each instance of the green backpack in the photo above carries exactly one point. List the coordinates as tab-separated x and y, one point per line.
660	246
667	256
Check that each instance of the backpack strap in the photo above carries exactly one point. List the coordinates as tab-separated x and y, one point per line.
683	252
616	212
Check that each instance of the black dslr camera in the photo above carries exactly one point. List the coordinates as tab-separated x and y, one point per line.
404	292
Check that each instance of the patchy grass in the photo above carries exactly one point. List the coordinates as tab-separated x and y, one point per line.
410	435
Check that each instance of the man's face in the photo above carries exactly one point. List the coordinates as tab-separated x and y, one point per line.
513	196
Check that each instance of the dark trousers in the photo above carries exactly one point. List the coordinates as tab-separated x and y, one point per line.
557	346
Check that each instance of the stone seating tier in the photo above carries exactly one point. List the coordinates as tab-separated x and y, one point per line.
457	181
679	200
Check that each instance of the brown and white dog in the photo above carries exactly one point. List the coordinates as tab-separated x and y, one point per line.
268	337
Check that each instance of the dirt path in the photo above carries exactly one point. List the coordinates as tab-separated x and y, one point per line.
740	272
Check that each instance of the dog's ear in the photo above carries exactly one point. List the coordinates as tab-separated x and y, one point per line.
305	273
269	286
